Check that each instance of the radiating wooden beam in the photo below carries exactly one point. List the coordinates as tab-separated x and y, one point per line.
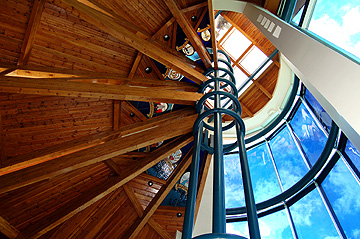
52	152
150	132
134	201
213	35
62	87
102	190
157	52
189	32
52	72
194	7
139	223
31	31
7	229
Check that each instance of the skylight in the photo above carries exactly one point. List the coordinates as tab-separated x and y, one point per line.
245	56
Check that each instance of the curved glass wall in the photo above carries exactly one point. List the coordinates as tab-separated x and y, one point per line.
327	207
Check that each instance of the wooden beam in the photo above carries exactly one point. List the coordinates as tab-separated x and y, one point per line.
139	223
213	35
7	229
150	132
246	109
263	89
202	181
159	229
189	32
121	20
101	191
157	52
62	87
52	152
194	7
135	65
141	81
51	72
113	166
135	202
31	31
3	155
117	115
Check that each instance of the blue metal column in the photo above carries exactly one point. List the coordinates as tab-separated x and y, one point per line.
192	190
219	217
251	211
215	91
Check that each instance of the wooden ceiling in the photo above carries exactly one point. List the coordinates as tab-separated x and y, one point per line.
68	133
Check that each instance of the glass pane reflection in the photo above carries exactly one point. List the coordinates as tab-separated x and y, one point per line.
287	158
343	193
234	190
273	226
311	218
353	154
319	111
310	135
262	172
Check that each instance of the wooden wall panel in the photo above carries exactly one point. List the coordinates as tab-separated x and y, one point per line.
149	15
32	204
33	122
148	233
167	218
67	42
14	16
143	191
120	221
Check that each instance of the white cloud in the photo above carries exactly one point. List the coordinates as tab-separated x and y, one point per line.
356	233
351	21
240	229
340	33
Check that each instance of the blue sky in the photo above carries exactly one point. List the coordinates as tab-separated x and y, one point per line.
338	22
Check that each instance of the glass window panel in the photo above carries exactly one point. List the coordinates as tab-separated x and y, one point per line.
236	43
238	228
353	154
275	225
222	26
310	135
297	17
234	190
343	193
243	89
289	162
319	111
262	172
337	22
240	76
263	69
253	59
311	218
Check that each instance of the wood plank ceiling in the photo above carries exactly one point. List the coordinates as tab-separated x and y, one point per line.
68	134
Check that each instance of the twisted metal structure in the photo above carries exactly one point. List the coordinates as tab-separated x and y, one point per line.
220	88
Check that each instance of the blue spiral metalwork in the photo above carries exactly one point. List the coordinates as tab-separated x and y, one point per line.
218	89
